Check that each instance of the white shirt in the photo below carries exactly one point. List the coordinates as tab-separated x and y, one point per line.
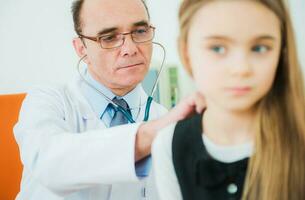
69	154
165	176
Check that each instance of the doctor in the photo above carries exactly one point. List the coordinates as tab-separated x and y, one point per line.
73	143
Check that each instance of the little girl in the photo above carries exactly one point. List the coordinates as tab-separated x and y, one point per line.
249	143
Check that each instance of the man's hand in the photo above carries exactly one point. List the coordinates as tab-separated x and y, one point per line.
186	108
148	131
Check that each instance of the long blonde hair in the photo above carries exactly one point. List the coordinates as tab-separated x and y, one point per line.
277	168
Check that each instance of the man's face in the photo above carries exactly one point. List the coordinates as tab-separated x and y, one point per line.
122	68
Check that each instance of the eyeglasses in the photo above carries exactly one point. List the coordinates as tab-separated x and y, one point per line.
115	40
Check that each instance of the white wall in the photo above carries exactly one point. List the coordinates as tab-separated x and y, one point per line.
35	44
36	41
298	16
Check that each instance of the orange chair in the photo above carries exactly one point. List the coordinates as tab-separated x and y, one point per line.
10	164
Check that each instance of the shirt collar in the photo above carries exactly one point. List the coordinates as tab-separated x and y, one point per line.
99	103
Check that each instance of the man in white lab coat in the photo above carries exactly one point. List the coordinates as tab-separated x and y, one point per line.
72	145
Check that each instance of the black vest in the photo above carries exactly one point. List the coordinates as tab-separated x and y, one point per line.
199	175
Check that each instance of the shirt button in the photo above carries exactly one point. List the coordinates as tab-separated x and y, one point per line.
232	188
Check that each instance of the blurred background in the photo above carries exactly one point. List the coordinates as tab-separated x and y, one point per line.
36	46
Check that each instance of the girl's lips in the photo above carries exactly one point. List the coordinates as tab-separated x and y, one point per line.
239	90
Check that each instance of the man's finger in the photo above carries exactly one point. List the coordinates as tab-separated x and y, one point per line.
199	102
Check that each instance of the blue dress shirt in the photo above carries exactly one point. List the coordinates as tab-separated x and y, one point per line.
100	106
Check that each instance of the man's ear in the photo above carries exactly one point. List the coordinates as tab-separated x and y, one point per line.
80	48
183	52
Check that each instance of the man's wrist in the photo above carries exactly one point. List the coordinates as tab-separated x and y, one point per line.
147	133
144	139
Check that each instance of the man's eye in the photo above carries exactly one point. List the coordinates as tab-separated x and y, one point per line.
109	38
140	31
260	48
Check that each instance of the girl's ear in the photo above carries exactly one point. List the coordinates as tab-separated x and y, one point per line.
183	52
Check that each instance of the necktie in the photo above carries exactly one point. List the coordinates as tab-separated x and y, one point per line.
118	117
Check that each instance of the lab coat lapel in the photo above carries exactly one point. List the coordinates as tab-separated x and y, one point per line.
89	119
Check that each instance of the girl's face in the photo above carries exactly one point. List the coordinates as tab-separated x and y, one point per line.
233	49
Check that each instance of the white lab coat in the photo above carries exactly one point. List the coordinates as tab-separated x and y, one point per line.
69	154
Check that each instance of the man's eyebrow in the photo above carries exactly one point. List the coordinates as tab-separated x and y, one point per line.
112	29
141	23
107	30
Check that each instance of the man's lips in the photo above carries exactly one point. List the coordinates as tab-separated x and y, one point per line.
130	65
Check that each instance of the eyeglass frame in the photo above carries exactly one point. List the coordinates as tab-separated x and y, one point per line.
97	38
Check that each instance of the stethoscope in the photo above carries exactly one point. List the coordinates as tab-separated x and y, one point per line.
120	108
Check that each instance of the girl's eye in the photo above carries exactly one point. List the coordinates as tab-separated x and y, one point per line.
260	49
218	49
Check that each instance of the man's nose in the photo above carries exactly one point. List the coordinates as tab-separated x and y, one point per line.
129	47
